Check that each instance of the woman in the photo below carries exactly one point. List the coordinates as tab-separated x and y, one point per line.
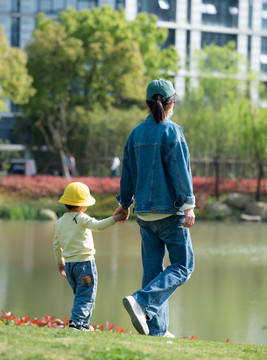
156	175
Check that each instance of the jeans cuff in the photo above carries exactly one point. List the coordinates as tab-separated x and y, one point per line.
143	307
158	334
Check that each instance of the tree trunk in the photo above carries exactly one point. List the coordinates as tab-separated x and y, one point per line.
217	178
260	177
57	140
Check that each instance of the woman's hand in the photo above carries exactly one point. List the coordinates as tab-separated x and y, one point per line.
189	218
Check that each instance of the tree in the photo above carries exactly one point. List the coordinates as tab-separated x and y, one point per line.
15	82
210	111
253	128
55	62
89	61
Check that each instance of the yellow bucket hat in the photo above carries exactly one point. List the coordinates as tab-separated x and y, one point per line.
77	194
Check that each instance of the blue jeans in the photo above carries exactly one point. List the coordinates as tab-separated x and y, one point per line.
82	277
158	283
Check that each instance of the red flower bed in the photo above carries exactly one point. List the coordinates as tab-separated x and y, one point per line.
46	185
50	321
206	185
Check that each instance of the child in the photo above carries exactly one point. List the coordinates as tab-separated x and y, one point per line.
74	251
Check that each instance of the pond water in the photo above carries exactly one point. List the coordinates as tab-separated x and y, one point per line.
226	297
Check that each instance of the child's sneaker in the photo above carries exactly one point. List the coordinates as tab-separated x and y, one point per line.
73	326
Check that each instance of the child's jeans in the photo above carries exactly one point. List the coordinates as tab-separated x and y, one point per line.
82	277
159	283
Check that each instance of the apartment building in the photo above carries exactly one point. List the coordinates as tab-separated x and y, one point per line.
191	24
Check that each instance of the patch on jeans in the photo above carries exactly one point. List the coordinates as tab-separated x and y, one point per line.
87	281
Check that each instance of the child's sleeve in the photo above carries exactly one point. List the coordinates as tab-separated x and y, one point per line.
57	249
98	225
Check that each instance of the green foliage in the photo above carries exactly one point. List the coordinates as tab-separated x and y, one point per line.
23	212
102	133
104	206
4	212
149	37
87	25
209	111
219	59
254	129
219	116
15	83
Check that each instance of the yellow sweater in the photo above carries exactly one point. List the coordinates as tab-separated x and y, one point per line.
73	240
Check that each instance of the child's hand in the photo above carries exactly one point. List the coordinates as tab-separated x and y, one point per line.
122	212
119	217
61	269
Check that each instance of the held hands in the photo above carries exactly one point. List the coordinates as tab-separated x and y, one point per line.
189	218
121	214
61	269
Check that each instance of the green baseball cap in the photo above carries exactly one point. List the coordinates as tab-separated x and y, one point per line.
160	86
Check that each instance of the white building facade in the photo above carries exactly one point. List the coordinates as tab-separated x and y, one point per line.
191	24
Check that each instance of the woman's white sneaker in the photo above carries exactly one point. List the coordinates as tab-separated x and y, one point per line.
137	315
168	334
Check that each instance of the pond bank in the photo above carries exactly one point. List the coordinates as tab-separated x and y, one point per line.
233	206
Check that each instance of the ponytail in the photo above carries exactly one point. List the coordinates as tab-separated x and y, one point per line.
158	108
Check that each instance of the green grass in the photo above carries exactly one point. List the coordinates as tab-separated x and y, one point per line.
33	343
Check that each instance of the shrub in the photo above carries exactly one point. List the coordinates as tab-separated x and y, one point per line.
23	212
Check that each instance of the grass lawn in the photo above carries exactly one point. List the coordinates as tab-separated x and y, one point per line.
34	343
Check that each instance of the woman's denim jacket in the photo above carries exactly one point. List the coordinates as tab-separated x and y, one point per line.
156	170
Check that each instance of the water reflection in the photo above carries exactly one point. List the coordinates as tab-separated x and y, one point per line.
225	298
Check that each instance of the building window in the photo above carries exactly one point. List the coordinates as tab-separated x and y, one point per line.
120	4
14	107
86	4
46	6
51	6
170	39
59	5
263	58
264	14
15	6
220	13
208	38
249	48
188	41
15	31
250	14
164	9
189	11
